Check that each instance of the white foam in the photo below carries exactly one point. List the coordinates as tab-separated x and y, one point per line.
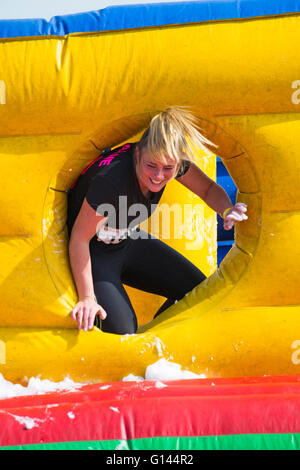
133	378
164	370
115	409
159	384
26	421
161	370
35	386
123	445
159	346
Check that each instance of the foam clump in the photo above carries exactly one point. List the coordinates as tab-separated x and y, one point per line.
164	370
133	378
35	386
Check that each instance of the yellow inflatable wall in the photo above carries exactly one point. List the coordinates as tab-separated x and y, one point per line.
63	100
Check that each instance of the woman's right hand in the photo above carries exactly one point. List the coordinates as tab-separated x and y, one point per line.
85	311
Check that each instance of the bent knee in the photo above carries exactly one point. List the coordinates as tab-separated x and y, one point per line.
189	285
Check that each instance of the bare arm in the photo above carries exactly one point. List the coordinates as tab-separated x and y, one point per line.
85	227
213	195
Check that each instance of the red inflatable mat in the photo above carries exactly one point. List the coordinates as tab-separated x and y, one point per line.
103	415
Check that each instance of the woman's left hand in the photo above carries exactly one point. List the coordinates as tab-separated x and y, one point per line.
236	213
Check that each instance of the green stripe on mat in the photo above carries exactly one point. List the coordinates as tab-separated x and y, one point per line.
232	442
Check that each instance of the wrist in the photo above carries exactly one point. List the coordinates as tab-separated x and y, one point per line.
85	297
225	212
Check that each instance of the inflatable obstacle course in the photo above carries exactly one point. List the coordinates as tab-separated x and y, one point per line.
66	107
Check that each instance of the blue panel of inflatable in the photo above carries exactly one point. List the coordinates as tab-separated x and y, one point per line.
146	15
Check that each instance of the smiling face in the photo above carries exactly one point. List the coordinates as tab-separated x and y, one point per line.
153	175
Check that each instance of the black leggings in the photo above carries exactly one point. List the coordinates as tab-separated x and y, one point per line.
147	264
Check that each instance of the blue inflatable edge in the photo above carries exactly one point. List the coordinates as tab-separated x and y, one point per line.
146	15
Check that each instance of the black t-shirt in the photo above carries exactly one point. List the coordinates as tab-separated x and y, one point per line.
110	186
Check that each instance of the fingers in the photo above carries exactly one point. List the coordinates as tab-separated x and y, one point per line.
241	206
84	313
236	214
102	314
228	226
77	315
89	322
74	313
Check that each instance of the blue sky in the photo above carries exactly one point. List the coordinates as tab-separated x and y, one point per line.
17	9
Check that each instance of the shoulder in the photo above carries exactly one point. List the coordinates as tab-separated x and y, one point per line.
113	175
115	159
117	166
109	155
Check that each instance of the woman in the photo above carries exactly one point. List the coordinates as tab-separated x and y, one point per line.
112	196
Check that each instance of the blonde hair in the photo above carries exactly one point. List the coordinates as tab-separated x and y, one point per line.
174	133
